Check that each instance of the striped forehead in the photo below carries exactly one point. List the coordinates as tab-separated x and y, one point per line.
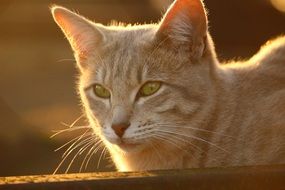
122	68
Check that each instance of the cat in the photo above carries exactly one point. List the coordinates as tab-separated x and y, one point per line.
158	98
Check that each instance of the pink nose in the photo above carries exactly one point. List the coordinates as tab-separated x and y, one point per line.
120	128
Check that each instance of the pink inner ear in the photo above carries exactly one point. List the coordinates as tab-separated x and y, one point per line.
191	9
78	30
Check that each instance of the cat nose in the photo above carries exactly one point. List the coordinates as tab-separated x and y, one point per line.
120	128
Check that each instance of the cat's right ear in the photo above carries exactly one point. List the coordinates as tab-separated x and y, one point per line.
81	33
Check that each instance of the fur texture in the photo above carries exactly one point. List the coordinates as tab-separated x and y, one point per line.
205	114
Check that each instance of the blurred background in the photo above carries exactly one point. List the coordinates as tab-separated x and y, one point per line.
37	71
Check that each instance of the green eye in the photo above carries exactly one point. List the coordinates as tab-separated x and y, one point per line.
150	88
101	92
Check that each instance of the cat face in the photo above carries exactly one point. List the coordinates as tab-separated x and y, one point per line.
139	82
146	88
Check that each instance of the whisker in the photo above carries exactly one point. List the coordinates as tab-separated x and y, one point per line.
162	137
89	152
69	130
80	151
157	151
193	137
67	153
67	143
90	142
62	60
192	155
104	155
100	145
76	120
197	129
81	140
79	143
183	140
98	164
68	125
192	146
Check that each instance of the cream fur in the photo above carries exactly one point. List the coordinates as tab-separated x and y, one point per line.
206	114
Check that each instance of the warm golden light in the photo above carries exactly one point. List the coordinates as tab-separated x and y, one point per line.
279	5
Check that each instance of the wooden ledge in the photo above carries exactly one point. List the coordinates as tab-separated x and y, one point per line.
243	178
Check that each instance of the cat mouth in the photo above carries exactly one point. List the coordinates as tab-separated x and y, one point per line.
127	147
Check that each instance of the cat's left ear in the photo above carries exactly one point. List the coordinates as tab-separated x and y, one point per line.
185	22
81	33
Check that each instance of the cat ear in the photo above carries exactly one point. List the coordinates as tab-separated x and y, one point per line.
184	22
81	33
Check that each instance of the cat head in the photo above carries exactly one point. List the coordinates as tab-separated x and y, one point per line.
138	83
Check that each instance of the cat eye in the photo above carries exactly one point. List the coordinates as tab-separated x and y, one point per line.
101	92
149	88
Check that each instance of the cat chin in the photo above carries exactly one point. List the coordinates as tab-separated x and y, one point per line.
128	148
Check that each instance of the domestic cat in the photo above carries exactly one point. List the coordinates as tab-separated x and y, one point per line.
158	97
